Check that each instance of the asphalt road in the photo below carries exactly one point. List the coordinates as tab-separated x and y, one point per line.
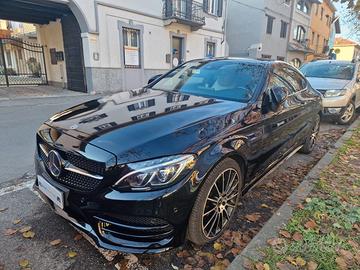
19	120
19	204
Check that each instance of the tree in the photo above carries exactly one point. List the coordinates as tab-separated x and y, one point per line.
353	5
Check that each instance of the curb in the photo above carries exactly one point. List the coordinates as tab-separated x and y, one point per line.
284	213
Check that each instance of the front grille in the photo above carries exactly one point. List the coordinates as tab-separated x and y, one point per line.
71	179
86	164
78	182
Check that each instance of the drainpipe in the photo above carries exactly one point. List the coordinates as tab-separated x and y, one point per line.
225	25
290	27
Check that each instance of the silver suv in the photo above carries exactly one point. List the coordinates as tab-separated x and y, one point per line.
339	83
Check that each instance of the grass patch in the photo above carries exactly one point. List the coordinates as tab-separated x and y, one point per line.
329	221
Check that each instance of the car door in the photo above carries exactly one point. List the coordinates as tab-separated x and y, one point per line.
302	98
278	128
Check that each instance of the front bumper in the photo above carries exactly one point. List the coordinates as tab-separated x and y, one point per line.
336	102
131	222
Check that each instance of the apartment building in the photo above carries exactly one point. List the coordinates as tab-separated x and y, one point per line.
300	30
322	25
258	28
113	45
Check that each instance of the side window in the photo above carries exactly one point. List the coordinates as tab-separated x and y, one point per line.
297	82
275	81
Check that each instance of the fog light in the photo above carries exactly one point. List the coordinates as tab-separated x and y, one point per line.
334	110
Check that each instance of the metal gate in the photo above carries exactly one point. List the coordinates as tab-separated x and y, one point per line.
21	63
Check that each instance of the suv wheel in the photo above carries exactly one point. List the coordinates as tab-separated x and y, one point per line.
216	203
348	114
310	142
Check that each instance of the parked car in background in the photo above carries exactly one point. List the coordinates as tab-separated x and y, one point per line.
141	171
339	83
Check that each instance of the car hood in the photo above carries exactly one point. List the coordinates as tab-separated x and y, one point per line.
327	84
145	124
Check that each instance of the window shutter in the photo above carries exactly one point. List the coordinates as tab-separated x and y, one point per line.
220	8
206	5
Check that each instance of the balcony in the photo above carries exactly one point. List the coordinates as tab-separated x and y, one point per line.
185	12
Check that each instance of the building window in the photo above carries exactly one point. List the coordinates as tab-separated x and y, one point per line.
312	37
317	9
287	2
283	30
213	7
8	58
299	34
270	23
303	6
322	13
296	62
266	56
210	49
131	40
280	58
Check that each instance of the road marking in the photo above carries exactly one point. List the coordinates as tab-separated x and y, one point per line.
18	187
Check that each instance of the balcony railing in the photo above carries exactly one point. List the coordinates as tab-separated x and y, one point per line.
184	11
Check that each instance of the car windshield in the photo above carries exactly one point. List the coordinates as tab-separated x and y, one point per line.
340	71
222	79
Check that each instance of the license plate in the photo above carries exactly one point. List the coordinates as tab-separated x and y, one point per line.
55	195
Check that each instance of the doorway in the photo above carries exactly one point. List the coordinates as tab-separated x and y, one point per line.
178	56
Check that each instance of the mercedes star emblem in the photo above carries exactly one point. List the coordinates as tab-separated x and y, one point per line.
55	163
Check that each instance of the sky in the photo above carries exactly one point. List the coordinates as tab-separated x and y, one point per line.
347	31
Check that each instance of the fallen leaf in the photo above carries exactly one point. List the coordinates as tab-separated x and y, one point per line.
78	237
16	221
310	224
29	234
312	265
247	264
55	242
346	254
285	266
308	200
300	261
266	266
24	263
218	246
190	260
341	263
291	260
25	229
275	241
9	232
173	267
187	267
259	266
297	236
219	256
3	209
183	253
264	205
285	234
253	217
72	254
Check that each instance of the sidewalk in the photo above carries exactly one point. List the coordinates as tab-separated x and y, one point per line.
21	92
316	228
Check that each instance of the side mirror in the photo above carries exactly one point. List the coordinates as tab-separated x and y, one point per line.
278	95
154	78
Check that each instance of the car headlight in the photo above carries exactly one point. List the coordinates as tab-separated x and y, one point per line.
335	93
155	173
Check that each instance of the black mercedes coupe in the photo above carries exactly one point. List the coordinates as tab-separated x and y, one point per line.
141	171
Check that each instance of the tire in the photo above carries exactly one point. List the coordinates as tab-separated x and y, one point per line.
310	141
348	114
202	217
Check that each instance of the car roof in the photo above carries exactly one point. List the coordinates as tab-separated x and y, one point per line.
331	62
262	62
